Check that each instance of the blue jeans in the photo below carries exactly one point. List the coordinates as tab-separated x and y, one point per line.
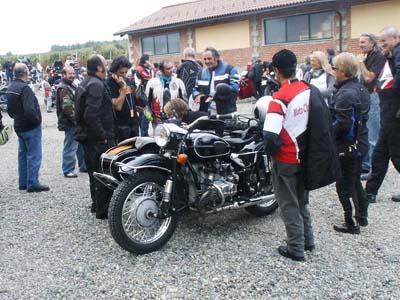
29	157
71	150
144	125
374	126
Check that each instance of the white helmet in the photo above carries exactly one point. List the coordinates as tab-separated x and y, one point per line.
261	108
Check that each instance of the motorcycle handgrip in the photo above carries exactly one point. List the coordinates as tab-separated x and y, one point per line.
230	116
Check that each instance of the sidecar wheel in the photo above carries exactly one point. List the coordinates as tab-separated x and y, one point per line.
133	213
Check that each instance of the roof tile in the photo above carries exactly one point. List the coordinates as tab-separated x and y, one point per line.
203	9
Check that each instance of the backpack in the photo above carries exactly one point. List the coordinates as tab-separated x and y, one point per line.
320	161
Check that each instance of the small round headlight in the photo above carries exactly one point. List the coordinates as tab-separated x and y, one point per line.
161	135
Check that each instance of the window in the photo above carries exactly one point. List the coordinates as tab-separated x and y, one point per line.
299	28
161	44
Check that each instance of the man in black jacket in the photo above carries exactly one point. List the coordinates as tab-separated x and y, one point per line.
66	122
388	145
23	107
255	75
95	127
188	70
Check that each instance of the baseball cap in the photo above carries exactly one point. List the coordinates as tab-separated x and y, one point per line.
284	59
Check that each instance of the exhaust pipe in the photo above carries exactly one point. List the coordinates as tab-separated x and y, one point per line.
106	180
245	203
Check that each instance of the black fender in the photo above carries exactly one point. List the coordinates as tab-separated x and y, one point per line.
148	161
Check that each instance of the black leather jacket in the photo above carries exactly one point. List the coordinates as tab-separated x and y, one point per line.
350	108
94	111
23	106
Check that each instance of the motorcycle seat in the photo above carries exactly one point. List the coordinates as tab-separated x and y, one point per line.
238	142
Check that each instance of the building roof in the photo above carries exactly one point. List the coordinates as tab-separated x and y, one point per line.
205	10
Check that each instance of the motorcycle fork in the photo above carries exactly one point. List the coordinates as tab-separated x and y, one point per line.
167	206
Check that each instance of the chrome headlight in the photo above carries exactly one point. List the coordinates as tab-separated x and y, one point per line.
162	135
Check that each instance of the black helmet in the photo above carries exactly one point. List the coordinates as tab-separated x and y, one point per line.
223	90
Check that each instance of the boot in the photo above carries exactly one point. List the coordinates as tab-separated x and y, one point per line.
347	228
396	198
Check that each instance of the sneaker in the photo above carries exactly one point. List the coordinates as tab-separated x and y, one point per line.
38	188
22	187
70	175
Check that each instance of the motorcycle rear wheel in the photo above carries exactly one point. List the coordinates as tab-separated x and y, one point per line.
133	212
266	208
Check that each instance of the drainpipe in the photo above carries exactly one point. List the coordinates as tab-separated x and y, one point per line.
340	30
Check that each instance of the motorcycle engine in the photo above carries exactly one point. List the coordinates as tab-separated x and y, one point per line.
218	184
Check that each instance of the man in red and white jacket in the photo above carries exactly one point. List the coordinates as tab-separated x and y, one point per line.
285	128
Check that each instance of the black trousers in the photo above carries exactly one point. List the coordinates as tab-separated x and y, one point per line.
359	194
257	90
387	148
126	132
345	188
100	194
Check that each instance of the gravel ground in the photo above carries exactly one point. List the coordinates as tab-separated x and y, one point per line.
51	247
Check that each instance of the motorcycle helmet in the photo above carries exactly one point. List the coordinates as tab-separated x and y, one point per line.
222	90
261	108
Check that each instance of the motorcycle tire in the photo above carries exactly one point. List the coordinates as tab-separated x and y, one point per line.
139	212
262	210
267	208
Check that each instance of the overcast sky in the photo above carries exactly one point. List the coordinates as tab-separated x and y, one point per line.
33	26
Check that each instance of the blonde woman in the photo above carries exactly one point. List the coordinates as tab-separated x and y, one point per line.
321	75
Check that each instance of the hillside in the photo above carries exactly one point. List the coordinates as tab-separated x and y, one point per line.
109	49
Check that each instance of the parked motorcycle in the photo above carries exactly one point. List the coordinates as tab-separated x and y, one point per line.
196	168
3	98
269	84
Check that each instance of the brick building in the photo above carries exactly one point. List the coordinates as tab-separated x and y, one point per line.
244	29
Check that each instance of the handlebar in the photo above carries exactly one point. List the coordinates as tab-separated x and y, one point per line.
231	116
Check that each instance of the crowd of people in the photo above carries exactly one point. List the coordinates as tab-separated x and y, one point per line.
361	102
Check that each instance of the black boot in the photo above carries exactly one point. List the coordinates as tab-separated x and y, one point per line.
396	198
284	251
347	228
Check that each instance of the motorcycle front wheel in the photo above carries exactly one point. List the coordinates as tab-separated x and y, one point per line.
134	213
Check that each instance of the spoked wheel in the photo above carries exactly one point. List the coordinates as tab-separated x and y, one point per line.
134	215
266	208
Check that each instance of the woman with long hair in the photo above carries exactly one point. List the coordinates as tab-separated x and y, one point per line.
321	75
